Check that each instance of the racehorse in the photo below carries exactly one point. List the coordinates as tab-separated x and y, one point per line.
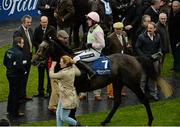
126	70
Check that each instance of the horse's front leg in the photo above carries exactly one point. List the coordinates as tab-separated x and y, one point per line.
117	101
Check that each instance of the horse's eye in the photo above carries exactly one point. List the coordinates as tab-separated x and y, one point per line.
46	46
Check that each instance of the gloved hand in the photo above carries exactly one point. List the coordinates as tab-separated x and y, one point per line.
89	45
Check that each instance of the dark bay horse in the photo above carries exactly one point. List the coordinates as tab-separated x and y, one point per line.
126	71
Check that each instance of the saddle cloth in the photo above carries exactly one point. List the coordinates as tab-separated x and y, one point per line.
102	66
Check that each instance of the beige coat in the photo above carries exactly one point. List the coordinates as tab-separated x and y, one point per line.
67	92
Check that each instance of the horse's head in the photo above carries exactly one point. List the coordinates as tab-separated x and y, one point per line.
41	56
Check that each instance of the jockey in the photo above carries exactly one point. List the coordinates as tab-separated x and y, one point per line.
95	43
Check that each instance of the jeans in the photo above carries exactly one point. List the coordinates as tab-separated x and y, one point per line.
62	115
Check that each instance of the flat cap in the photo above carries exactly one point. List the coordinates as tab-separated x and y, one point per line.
62	33
118	25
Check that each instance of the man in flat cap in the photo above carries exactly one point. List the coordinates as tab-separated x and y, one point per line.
118	40
118	43
61	48
63	36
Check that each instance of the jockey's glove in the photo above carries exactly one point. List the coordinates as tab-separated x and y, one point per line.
89	45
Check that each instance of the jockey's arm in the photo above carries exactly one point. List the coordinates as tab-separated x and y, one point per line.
100	42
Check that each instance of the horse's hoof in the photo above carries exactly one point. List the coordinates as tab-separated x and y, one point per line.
103	123
149	124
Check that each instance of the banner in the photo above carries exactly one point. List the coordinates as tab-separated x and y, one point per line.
15	9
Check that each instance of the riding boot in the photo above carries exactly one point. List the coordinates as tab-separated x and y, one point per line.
85	67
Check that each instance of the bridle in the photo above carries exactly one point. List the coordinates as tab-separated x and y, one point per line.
40	56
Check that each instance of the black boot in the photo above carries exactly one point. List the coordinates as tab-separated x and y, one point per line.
85	67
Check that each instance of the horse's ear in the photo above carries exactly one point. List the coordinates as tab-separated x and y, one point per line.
52	39
49	39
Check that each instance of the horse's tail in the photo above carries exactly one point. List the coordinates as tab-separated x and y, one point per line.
150	71
148	67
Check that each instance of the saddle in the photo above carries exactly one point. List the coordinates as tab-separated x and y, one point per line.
102	66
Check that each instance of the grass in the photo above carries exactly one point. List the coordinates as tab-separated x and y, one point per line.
166	113
165	72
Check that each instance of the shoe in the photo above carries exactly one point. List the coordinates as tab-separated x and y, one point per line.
98	98
38	95
47	95
53	110
20	114
110	97
153	98
123	94
27	98
82	97
7	113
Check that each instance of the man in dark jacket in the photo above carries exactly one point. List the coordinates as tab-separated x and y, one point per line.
104	10
47	8
132	19
26	33
163	32
174	25
42	32
65	13
82	8
14	62
119	9
153	10
142	29
148	45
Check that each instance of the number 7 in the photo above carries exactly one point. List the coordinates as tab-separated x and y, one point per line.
105	63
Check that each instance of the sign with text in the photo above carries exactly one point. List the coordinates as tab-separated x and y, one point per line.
15	9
